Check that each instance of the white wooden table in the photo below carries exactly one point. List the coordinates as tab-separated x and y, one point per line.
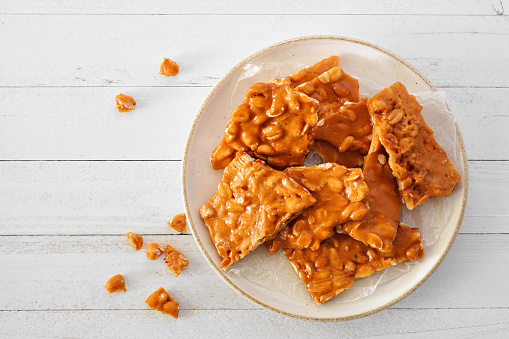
75	175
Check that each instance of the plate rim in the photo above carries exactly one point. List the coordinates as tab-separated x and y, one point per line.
222	274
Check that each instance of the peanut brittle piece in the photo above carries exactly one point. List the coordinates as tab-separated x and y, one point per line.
347	128
307	74
272	124
124	103
333	85
135	240
330	153
339	194
115	284
419	164
333	268
169	68
174	260
379	227
161	301
154	251
252	203
178	223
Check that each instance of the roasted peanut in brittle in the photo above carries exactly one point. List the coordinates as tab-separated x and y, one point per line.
161	301
252	203
347	128
178	223
419	164
339	194
379	227
272	124
174	260
115	284
341	259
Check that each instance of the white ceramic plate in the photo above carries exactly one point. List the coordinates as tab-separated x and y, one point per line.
200	181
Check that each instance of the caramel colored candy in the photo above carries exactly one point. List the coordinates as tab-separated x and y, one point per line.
115	284
379	227
169	67
252	203
341	259
124	103
154	251
178	223
174	260
419	164
161	301
272	124
343	133
340	194
135	240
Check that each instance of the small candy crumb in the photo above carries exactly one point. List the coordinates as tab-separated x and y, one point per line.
115	284
178	223
161	301
174	260
154	251
169	67
135	240
124	103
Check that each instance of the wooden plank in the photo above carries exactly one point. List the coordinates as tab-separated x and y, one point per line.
390	323
83	124
68	272
109	197
483	117
283	7
126	50
89	197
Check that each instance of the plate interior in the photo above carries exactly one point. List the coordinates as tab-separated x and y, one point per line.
200	180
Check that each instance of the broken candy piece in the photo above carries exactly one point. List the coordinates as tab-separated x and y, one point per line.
161	301
124	103
115	284
169	67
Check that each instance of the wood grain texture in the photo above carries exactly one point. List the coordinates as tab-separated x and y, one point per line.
83	124
467	323
283	7
126	50
111	197
68	272
62	221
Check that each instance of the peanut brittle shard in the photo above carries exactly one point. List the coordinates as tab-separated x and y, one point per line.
329	153
178	223
339	194
379	227
161	301
174	260
115	284
333	85
253	202
273	124
307	74
419	164
343	133
341	259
